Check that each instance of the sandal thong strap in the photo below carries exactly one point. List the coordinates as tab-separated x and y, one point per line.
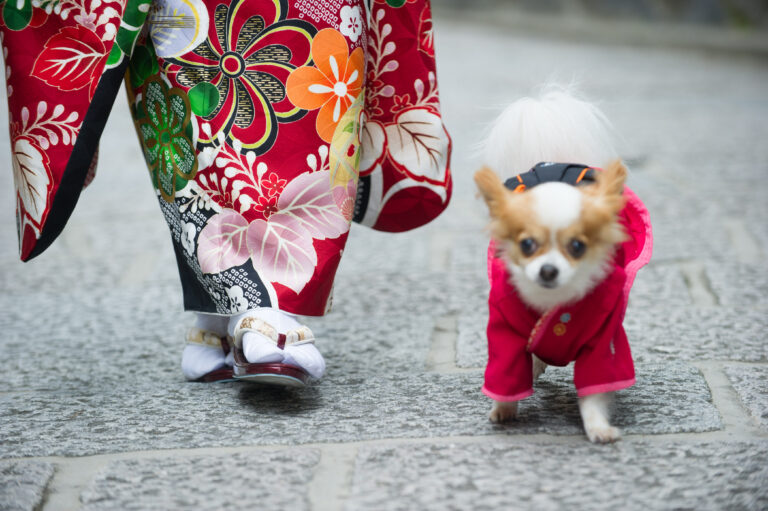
301	335
207	338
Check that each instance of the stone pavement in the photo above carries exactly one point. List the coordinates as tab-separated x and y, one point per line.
94	412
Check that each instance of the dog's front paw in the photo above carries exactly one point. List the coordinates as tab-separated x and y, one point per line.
603	435
503	412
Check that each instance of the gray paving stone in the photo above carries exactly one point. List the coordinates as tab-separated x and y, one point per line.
741	285
469	251
129	415
694	333
759	231
496	474
471	340
398	293
91	363
737	187
370	251
91	351
752	385
60	272
263	480
23	483
53	340
679	218
682	240
362	347
99	309
659	284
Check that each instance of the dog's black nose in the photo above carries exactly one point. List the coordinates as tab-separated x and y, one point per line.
548	273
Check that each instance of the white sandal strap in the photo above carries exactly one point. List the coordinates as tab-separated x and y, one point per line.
301	335
203	338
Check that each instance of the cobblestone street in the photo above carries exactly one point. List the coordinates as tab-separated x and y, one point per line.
95	414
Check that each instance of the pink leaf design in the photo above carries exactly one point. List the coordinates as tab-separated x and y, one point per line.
308	203
32	178
222	242
282	251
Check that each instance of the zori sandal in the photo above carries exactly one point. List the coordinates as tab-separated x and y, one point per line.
269	373
206	338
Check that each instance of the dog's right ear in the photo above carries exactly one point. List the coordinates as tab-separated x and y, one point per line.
492	189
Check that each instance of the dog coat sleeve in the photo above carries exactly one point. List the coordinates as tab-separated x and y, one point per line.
604	363
605	366
509	373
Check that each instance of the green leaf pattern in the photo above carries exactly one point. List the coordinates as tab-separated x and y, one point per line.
133	20
165	127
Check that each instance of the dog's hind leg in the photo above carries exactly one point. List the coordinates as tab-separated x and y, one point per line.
538	368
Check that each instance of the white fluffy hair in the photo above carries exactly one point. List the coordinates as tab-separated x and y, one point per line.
555	127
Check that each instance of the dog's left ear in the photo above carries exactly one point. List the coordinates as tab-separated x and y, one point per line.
611	180
608	191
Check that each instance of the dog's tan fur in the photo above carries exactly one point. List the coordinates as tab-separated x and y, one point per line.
513	218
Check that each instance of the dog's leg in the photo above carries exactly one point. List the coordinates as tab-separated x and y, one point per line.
595	412
503	411
538	368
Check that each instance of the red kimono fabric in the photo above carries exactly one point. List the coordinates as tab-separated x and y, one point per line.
267	126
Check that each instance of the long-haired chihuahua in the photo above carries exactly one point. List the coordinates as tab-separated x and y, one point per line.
567	240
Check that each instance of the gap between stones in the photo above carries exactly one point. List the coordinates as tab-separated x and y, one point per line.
441	357
698	284
69	480
738	421
331	483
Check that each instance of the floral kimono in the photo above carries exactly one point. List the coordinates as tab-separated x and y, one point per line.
267	126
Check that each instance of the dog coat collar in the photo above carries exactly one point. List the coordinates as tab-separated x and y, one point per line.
545	172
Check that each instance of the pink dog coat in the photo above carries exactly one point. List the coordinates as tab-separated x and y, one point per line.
589	332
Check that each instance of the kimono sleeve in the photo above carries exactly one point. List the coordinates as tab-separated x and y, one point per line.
405	177
64	67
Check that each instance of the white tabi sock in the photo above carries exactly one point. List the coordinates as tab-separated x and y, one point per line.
198	360
257	348
307	357
212	323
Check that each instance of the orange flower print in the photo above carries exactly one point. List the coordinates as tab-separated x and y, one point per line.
332	85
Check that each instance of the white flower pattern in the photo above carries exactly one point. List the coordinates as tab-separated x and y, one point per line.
188	232
237	300
351	22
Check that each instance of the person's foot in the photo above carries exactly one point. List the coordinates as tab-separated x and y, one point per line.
203	353
261	348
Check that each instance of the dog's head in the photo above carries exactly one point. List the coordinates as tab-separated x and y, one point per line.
556	239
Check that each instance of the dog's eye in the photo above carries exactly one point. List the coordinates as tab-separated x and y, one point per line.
528	246
576	248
